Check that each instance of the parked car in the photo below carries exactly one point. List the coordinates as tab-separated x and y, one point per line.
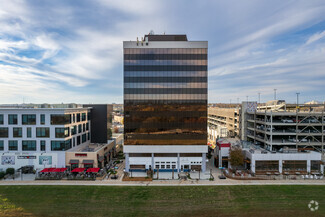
269	128
114	177
222	177
287	121
303	140
26	169
292	140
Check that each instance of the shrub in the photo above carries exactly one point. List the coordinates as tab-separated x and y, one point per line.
10	171
2	175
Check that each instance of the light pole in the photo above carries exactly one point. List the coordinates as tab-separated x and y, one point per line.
297	101
275	94
259	98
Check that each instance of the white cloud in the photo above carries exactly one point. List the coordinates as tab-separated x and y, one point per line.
69	47
315	37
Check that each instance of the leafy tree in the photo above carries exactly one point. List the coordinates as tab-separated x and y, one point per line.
2	174
236	157
10	171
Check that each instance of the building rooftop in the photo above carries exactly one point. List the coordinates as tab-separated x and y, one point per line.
152	37
92	147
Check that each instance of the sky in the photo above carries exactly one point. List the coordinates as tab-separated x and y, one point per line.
63	51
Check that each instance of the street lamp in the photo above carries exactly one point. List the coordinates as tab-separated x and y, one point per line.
259	98
297	101
275	94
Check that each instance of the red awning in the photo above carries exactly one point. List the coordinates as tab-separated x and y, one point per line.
78	170
47	170
93	170
59	170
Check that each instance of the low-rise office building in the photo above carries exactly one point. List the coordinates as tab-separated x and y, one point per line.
40	136
93	155
287	162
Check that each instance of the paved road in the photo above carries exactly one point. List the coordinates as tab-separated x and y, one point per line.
170	182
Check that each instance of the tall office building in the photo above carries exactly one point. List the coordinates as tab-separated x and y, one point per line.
165	103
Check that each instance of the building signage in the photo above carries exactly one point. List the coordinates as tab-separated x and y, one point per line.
8	160
45	160
26	157
80	155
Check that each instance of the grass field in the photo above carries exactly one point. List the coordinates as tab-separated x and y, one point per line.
160	201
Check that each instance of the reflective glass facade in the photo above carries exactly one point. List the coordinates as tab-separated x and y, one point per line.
165	96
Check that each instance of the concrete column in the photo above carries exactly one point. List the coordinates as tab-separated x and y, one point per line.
322	168
127	164
308	166
253	166
220	158
203	162
178	162
152	161
280	166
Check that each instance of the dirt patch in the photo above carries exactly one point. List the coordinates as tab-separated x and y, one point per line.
141	179
8	209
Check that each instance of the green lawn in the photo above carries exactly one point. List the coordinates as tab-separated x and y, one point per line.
162	201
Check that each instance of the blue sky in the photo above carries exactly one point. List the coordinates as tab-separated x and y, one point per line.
71	51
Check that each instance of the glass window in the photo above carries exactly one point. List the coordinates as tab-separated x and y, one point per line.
67	144
78	117
28	119
29	132
1	119
58	146
60	119
12	119
1	145
78	140
61	132
79	128
3	132
315	165
84	138
43	145
17	132
83	116
83	127
73	130
29	145
43	132
42	119
292	165
13	145
87	126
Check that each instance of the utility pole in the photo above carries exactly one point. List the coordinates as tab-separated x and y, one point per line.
297	101
275	94
259	98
